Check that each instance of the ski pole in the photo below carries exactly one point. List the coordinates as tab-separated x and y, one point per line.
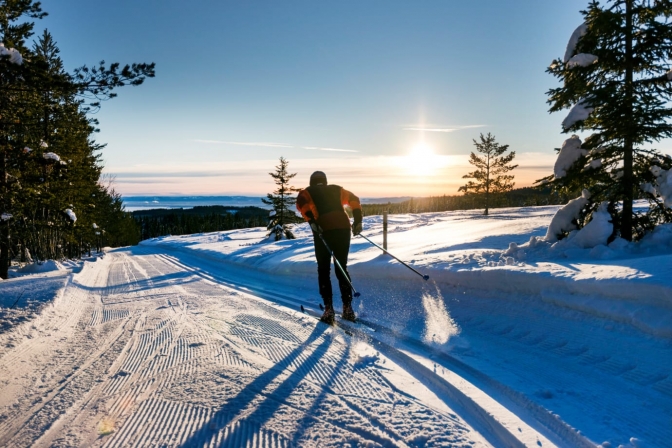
345	274
426	277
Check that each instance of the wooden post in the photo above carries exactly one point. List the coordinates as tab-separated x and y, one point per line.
385	230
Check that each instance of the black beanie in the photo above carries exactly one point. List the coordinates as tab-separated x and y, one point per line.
318	177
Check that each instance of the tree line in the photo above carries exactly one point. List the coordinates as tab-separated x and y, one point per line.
161	222
521	197
53	203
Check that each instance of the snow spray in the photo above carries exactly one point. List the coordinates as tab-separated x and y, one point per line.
439	326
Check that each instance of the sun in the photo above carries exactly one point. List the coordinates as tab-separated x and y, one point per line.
420	161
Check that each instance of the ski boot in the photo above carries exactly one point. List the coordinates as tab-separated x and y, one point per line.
328	316
348	313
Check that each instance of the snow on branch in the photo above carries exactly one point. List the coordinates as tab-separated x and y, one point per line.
579	112
6	217
664	184
52	156
563	219
14	55
581	60
597	231
569	153
574	40
71	215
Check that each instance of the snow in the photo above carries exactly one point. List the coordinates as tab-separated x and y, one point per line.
562	220
595	164
37	268
14	55
277	234
516	339
52	156
6	217
71	214
536	254
504	256
579	112
646	187
596	232
578	33
582	60
569	153
663	186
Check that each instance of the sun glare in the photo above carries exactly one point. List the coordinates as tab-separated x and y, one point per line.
420	161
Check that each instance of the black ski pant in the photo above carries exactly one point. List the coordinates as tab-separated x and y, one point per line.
339	242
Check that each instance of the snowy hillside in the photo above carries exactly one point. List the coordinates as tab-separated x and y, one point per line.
504	252
200	340
584	332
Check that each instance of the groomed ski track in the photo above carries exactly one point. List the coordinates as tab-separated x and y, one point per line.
136	350
153	347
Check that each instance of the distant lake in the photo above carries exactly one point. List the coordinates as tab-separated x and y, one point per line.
133	203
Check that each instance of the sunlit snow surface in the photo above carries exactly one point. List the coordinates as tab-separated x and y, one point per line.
470	250
182	340
584	332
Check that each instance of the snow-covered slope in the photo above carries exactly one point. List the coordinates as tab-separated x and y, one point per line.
182	341
626	282
583	332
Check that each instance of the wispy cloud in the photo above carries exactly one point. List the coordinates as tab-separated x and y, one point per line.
272	145
444	129
263	144
329	149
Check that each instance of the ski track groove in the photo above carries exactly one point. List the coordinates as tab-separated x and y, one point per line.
534	334
70	391
107	315
318	372
274	351
74	310
172	340
614	364
563	346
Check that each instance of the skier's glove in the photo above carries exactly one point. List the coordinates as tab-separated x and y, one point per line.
315	226
357	223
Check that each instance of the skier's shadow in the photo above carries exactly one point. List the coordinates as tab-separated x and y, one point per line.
272	401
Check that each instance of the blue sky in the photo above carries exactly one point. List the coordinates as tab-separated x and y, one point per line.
334	86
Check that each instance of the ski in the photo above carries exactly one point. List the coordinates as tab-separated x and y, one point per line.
338	321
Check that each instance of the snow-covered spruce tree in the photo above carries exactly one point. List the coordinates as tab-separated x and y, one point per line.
49	168
12	111
616	79
491	168
283	202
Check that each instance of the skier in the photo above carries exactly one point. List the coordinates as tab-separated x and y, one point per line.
322	206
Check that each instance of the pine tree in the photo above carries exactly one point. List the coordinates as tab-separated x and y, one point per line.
49	166
13	111
615	77
491	169
283	202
